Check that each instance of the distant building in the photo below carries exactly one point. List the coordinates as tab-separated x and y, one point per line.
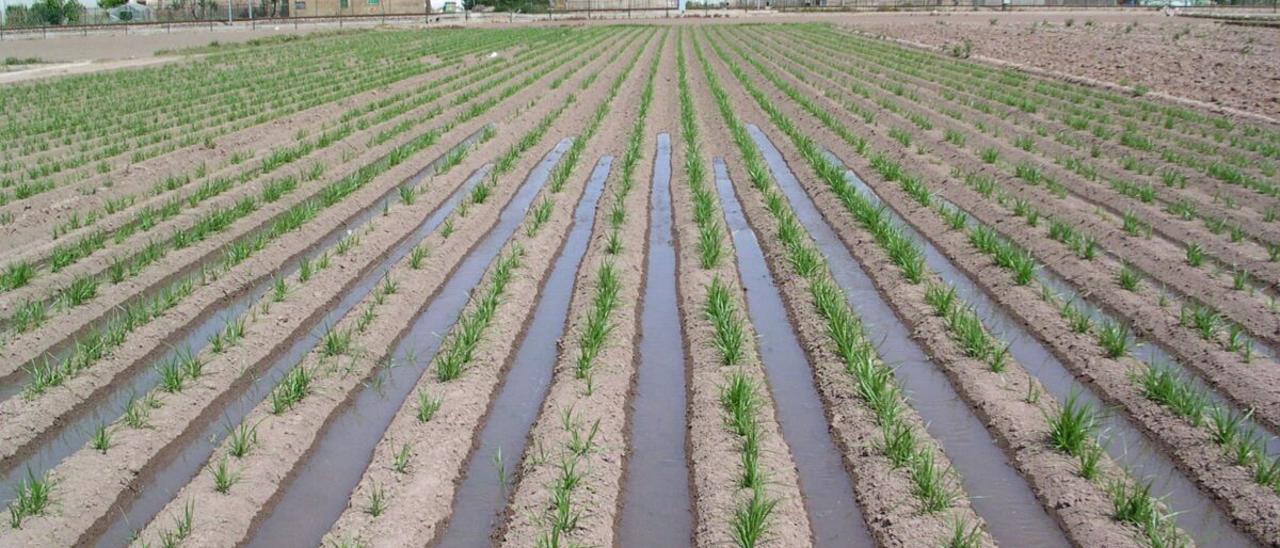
329	8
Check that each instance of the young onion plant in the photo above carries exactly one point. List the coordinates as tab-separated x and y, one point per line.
934	486
459	349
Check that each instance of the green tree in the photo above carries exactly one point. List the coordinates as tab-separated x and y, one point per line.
108	4
57	12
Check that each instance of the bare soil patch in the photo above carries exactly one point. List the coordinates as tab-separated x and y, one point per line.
1223	65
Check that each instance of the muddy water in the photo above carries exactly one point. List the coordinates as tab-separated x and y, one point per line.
1196	514
827	489
314	499
656	510
79	429
480	501
999	494
173	475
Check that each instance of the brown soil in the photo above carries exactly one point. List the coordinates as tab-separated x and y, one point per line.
1190	448
38	214
90	489
1079	506
1248	385
715	484
326	292
287	441
1222	65
188	259
599	495
27	423
447	441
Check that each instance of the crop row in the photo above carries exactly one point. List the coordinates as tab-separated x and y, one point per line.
1112	338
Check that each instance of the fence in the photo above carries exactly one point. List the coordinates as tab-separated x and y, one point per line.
249	14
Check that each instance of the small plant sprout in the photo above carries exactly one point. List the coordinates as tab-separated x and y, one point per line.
1195	255
279	289
1073	425
408	194
751	518
730	334
400	463
31	498
223	477
1129	279
428	405
336	342
1114	338
416	256
500	467
377	501
962	534
241	439
101	440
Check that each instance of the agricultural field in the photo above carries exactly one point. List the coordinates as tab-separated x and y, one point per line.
781	284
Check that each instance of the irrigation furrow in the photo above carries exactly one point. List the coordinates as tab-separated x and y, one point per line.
78	424
274	461
318	446
158	465
478	503
1078	105
1137	439
1123	441
569	480
149	250
995	487
1189	348
1255	263
152	195
937	507
146	147
828	493
727	508
43	429
86	201
453	158
1255	258
203	307
1198	519
656	507
464	392
478	506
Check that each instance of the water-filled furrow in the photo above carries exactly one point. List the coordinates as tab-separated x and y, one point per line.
656	508
78	428
828	491
1124	442
318	494
998	492
64	348
479	502
171	476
